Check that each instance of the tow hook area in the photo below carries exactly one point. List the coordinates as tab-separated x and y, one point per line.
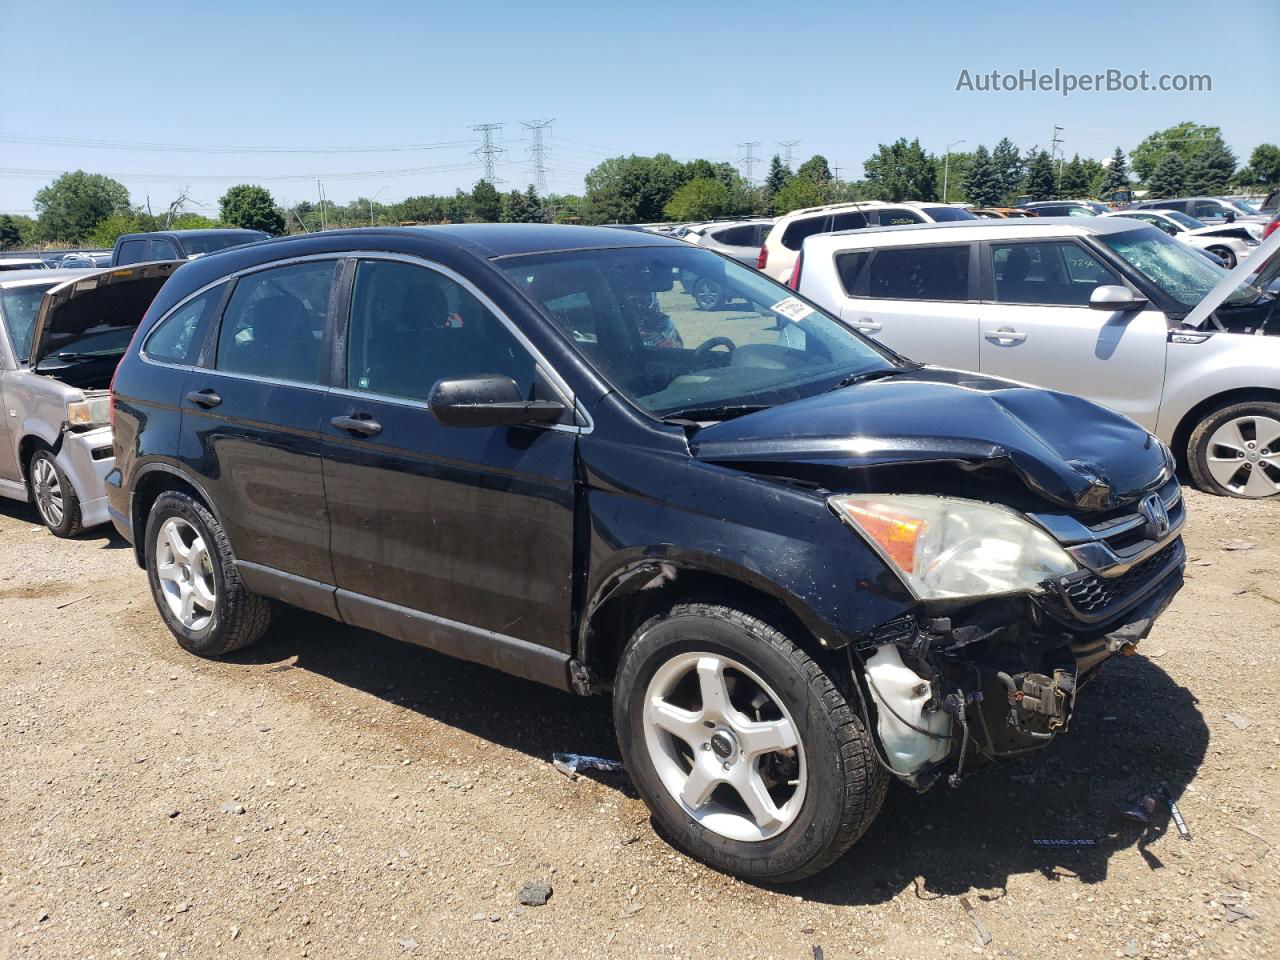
1040	706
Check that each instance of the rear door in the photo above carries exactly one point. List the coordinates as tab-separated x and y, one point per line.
252	414
920	300
436	527
1038	327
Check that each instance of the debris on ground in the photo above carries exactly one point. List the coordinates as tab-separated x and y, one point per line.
570	763
983	933
817	952
1141	810
535	894
1232	545
1238	720
1175	813
1236	908
236	808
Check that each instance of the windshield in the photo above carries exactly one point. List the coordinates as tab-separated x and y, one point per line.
18	307
1243	206
214	242
679	329
943	214
1177	216
1180	272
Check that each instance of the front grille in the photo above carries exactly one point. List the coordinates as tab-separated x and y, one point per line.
1088	596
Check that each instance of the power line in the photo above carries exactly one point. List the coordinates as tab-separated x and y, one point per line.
749	160
538	151
145	146
488	150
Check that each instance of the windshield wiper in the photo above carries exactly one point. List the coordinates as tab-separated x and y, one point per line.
866	375
696	414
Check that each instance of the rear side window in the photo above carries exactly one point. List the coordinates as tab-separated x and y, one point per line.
946	214
896	218
411	327
177	338
162	249
132	251
1208	208
920	273
849	267
274	323
849	220
744	236
797	230
1055	273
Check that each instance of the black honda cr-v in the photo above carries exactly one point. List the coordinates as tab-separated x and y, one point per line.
799	563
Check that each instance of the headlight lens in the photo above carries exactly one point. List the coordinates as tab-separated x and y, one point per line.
89	413
946	547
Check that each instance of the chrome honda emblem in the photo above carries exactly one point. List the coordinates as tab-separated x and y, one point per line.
1157	517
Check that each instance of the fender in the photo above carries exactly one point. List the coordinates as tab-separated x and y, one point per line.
171	468
1222	363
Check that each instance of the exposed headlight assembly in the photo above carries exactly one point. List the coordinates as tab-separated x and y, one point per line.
89	413
945	547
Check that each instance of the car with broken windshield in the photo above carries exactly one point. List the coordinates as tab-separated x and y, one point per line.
799	564
61	334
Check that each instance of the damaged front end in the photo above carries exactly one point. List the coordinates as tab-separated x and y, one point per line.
961	682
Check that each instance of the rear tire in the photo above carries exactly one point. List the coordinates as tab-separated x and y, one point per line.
703	784
1227	254
54	496
194	580
708	294
1235	450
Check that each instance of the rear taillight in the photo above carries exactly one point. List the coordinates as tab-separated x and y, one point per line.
1270	228
762	260
794	282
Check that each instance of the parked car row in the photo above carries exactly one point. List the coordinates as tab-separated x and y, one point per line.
799	562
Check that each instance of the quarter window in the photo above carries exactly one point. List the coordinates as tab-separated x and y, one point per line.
896	218
920	273
274	324
178	337
132	251
411	327
793	236
1057	273
849	267
162	250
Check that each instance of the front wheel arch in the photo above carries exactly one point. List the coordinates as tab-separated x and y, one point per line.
1192	418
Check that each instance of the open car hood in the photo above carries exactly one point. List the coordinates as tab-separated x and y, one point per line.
1261	268
1065	449
112	299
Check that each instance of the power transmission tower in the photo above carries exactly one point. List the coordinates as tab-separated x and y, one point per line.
538	151
786	146
488	150
1053	148
749	160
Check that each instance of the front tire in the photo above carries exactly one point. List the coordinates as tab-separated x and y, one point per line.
1235	450
194	580
54	496
745	751
708	294
1227	254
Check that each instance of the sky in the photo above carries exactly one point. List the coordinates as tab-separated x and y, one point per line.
381	97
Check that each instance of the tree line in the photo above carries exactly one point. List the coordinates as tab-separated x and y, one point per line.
1188	158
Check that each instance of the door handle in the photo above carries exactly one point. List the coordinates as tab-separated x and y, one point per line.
867	325
1005	335
360	423
207	398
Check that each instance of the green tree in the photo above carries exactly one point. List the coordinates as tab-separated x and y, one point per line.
1185	139
421	209
457	209
1263	168
486	203
1117	175
10	235
1040	183
797	193
193	221
72	205
1210	170
777	176
981	184
903	171
632	189
1169	179
816	170
1074	180
535	211
105	231
702	199
251	208
514	208
1008	166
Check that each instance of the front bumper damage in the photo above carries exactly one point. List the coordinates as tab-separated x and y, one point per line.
956	689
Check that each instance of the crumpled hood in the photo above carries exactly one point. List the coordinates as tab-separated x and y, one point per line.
1066	449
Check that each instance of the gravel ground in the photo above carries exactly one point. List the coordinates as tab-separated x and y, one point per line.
330	793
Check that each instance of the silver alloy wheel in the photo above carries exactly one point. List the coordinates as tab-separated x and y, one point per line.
701	751
1243	456
47	489
185	571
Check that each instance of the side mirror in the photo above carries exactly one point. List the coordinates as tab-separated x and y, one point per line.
1113	296
488	400
1229	216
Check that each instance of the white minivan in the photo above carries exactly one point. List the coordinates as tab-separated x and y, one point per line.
1104	307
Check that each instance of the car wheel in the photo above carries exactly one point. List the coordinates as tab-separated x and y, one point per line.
54	497
745	750
708	294
1235	451
194	580
1227	254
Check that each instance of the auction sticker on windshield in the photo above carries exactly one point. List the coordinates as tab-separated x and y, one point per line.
792	309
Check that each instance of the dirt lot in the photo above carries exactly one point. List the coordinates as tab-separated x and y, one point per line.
329	793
